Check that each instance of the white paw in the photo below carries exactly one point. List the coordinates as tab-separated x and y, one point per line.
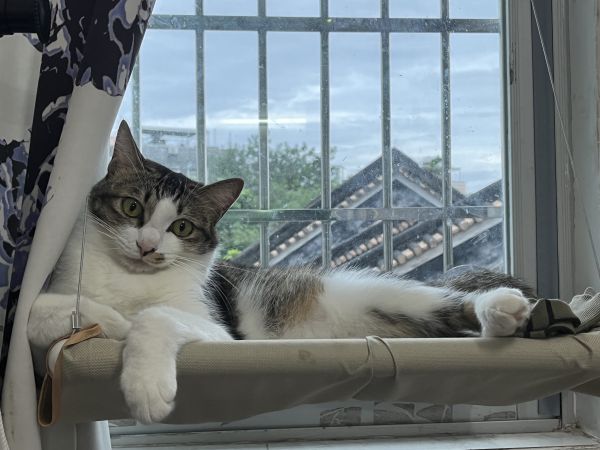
149	391
502	311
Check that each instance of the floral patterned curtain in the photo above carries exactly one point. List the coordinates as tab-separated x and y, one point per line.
83	72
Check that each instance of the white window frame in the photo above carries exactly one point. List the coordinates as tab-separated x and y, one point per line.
520	224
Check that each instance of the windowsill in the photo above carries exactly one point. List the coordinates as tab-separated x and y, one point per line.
555	440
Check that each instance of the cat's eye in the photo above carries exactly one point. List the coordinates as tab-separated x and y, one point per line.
181	228
131	207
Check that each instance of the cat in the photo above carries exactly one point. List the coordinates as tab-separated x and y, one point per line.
150	278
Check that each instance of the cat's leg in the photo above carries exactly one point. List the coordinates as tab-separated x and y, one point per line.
50	318
149	378
399	307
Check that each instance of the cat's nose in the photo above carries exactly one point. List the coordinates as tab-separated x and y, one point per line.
145	248
147	241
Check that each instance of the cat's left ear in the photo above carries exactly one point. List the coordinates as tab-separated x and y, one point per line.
126	154
223	194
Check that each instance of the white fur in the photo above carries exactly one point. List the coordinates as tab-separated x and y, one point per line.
165	304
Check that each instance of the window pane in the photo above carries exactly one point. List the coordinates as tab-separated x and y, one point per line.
168	98
416	118
354	8
476	100
231	61
230	7
355	78
294	119
296	8
420	8
294	243
174	7
474	9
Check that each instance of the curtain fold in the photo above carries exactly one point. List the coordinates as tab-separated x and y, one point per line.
52	149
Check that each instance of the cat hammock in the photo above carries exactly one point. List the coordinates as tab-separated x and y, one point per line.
225	381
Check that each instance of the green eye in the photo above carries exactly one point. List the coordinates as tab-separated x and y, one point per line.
131	207
181	228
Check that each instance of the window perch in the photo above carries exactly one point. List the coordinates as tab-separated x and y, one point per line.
224	381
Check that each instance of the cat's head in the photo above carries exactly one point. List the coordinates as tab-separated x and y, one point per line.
151	217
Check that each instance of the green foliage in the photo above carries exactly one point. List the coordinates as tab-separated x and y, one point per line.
433	165
295	180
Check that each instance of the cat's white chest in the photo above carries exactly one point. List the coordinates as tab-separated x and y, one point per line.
107	282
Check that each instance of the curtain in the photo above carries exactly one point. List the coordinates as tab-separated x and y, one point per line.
58	102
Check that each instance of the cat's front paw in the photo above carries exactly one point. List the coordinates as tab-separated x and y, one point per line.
502	312
149	392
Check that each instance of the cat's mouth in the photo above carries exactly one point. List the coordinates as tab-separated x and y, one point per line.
148	263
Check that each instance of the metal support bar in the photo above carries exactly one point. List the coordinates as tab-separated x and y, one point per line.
386	147
263	116
446	141
135	103
316	24
325	139
202	157
371	214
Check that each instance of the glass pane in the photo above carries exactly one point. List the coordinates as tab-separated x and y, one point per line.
479	243
174	7
296	8
474	9
418	249
416	118
354	8
355	78
238	240
294	119
231	60
357	244
230	7
294	243
476	106
415	8
168	99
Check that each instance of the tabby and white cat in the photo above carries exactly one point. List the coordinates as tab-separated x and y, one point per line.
150	278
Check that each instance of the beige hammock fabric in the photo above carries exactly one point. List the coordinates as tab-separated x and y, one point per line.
226	381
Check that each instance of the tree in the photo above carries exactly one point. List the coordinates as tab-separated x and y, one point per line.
294	178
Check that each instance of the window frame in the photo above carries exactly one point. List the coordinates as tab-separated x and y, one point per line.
521	165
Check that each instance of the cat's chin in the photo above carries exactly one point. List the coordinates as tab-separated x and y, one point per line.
137	265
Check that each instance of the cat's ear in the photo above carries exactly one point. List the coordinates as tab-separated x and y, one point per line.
223	194
126	154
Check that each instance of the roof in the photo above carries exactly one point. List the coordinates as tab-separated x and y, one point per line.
359	243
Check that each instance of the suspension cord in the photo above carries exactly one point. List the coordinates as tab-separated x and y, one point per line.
76	314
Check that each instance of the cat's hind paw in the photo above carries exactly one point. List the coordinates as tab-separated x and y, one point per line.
149	395
502	312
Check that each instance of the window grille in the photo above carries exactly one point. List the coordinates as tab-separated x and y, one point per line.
262	24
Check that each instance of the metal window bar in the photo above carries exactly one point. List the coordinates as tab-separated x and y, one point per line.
262	24
386	143
263	147
325	141
202	157
446	140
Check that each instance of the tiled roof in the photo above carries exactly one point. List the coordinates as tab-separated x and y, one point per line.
363	247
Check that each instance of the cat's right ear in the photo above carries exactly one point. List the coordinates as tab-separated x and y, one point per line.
126	154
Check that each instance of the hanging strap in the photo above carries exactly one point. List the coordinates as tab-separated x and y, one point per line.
49	400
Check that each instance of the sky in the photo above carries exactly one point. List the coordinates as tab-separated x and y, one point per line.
168	86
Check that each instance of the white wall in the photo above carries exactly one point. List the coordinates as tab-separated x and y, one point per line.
585	114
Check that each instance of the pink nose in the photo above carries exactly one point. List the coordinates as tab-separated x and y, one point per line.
147	241
145	247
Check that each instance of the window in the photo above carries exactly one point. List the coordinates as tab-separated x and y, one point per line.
369	134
